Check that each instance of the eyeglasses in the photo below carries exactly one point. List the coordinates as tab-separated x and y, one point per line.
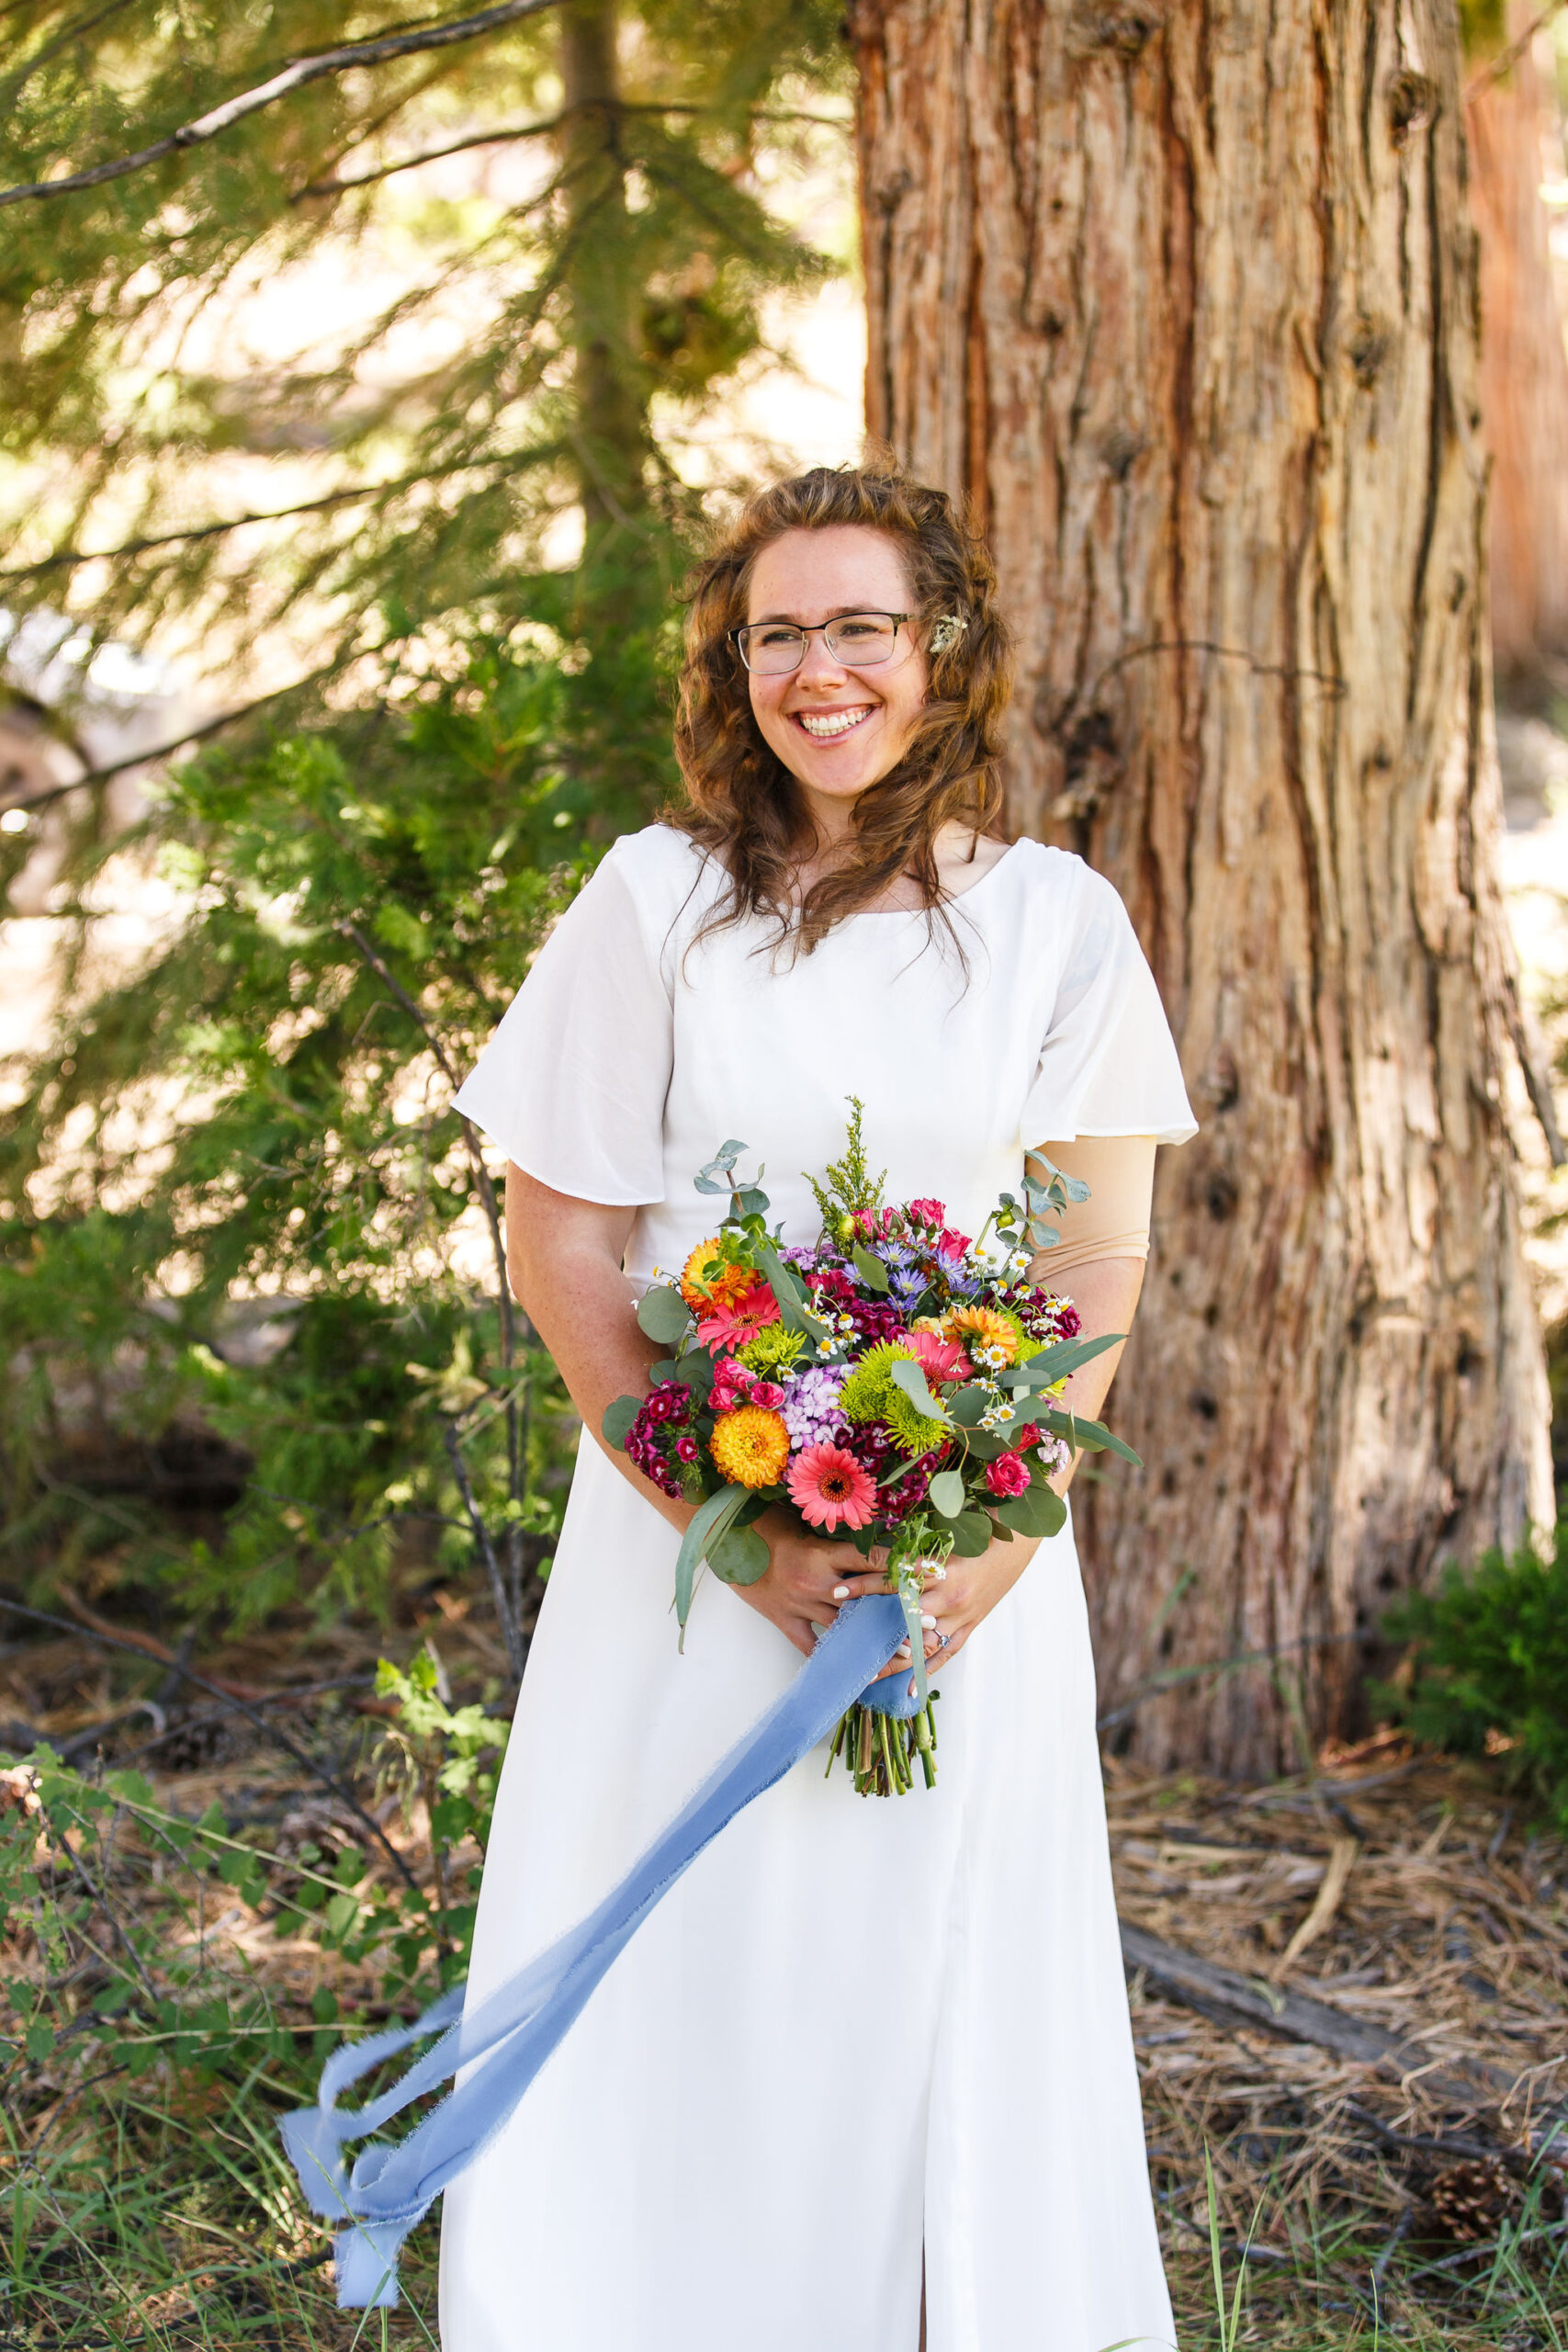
859	641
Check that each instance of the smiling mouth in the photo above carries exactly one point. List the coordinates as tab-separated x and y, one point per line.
825	725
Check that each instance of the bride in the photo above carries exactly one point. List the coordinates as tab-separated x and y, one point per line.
865	2080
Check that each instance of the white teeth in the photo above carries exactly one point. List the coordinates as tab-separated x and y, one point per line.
832	723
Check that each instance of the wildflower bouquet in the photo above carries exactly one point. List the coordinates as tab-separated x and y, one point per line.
895	1385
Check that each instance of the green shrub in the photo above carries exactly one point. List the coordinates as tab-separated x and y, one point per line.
1489	1666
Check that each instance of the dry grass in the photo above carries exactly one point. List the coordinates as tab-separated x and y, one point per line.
1398	1889
1425	2205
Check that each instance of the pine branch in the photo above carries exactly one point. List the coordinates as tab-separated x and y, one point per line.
165	751
340	187
293	77
69	559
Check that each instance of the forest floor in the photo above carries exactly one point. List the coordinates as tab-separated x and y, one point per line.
1330	2199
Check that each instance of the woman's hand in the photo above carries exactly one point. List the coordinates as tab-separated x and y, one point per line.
964	1598
806	1580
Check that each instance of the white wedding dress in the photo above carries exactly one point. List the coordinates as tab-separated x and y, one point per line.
858	2027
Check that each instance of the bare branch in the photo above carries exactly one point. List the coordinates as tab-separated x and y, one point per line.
165	750
481	1175
1509	57
341	187
240	1706
15	83
69	559
510	1632
293	77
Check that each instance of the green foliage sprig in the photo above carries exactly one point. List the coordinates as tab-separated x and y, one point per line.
1488	1668
351	913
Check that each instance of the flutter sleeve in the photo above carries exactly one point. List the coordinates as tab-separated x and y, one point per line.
1108	1062
572	1084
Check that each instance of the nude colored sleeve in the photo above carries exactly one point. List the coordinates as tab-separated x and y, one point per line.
1114	1220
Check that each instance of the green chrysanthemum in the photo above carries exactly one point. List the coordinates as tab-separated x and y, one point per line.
863	1396
772	1350
870	1394
911	1431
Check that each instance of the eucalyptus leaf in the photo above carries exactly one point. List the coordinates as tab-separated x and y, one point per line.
739	1556
1041	1512
662	1314
971	1533
695	1368
619	1418
965	1406
1051	1365
790	1293
910	1377
715	1516
947	1493
1094	1436
872	1271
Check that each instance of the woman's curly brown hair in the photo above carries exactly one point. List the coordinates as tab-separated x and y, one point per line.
742	804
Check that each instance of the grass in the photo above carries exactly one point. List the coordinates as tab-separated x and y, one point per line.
177	1967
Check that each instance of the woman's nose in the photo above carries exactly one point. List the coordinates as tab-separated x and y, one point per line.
818	665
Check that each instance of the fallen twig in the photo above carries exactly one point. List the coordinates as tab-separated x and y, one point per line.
252	1714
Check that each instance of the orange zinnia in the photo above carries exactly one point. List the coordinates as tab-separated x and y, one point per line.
981	1326
750	1445
705	1278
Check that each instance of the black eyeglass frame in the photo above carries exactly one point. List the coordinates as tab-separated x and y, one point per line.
819	628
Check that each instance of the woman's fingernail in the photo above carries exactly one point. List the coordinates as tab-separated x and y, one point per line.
930	1624
841	1592
910	1692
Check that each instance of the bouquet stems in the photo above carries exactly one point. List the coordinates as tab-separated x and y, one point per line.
880	1752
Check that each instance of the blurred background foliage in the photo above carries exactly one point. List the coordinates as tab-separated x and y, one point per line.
248	1266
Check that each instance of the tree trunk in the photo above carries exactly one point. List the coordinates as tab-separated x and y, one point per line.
611	443
1185	301
1523	371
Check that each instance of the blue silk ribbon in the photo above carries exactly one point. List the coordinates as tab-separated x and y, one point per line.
508	2038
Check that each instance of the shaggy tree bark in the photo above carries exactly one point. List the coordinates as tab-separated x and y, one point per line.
1185	300
1524	372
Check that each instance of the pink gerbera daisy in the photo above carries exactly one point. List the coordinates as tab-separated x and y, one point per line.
940	1359
736	1320
827	1485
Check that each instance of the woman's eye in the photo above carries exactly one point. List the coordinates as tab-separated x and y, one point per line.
775	636
861	628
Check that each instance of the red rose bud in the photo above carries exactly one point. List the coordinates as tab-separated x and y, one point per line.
1006	1476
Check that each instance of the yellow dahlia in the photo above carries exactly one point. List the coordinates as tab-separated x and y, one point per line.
704	1277
750	1445
990	1338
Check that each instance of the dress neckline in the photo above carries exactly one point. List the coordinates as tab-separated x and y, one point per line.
953	898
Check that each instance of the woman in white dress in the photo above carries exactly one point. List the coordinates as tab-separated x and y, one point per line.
865	2080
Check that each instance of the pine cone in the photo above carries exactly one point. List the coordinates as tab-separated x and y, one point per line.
1470	2200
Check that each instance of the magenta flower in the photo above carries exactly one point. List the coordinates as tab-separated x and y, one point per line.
1006	1476
927	1212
